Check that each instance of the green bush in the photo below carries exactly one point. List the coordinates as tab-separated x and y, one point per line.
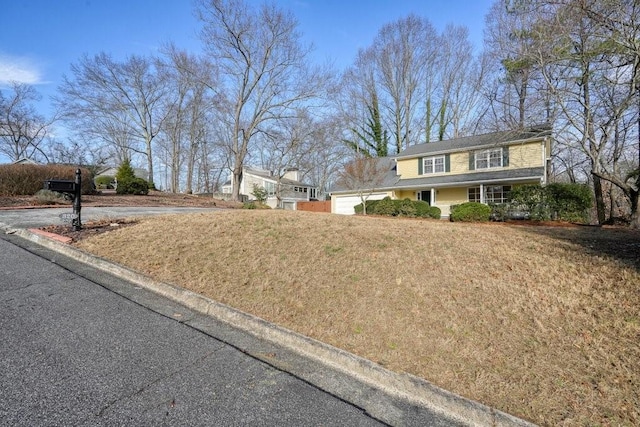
27	180
470	212
386	207
422	208
569	202
557	201
371	206
137	186
125	171
434	212
260	193
532	199
405	207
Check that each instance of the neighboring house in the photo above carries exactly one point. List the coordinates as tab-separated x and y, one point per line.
291	189
482	168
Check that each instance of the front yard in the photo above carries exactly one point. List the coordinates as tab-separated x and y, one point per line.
539	322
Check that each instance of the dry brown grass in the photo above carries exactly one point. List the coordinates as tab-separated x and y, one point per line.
540	323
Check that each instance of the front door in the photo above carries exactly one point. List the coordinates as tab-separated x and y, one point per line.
426	196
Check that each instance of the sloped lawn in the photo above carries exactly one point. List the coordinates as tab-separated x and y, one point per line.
539	322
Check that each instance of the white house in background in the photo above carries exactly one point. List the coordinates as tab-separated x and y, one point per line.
291	189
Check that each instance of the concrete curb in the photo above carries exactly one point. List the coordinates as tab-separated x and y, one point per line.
405	387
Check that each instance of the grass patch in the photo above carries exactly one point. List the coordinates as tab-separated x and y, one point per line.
538	322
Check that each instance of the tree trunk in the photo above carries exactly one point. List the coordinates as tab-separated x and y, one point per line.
237	179
600	207
635	213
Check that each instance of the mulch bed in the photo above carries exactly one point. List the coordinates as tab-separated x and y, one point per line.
88	229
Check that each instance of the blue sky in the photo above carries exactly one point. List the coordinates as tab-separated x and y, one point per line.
39	39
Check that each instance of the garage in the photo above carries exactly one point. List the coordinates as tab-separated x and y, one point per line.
343	205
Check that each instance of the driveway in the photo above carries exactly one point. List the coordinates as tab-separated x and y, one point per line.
34	218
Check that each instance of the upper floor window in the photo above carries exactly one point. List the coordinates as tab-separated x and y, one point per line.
491	158
434	164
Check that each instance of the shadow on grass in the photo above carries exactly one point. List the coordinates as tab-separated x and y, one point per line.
621	244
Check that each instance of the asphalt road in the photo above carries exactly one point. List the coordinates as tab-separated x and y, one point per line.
74	352
33	218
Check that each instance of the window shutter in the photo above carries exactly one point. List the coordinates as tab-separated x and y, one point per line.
420	164
447	163
472	161
505	156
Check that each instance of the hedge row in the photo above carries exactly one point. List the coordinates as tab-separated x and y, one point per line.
407	208
27	180
557	201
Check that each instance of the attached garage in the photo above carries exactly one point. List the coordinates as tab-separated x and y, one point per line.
343	205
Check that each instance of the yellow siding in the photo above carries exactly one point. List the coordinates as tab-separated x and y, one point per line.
520	156
408	168
459	163
405	194
451	196
526	155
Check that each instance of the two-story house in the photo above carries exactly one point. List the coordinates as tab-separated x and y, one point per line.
288	187
481	168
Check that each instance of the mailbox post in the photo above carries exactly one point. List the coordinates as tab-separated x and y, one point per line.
69	187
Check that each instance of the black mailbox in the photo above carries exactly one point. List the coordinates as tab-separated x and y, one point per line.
60	185
69	186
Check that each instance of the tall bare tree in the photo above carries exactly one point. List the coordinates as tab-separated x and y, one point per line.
127	97
264	69
23	131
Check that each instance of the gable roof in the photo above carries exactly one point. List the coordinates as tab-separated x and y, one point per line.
475	141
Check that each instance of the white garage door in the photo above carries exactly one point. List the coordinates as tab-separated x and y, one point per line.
344	204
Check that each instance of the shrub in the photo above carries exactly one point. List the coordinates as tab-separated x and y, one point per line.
405	208
371	206
125	171
532	199
27	180
136	186
260	193
385	207
434	212
422	208
567	202
470	212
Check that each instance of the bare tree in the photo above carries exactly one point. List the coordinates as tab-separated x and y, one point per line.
23	131
364	175
264	70
128	97
403	51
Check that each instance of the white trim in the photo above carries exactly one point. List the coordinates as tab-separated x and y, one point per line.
433	165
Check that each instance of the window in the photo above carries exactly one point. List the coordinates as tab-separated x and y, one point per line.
489	159
474	194
497	193
270	187
492	194
433	165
